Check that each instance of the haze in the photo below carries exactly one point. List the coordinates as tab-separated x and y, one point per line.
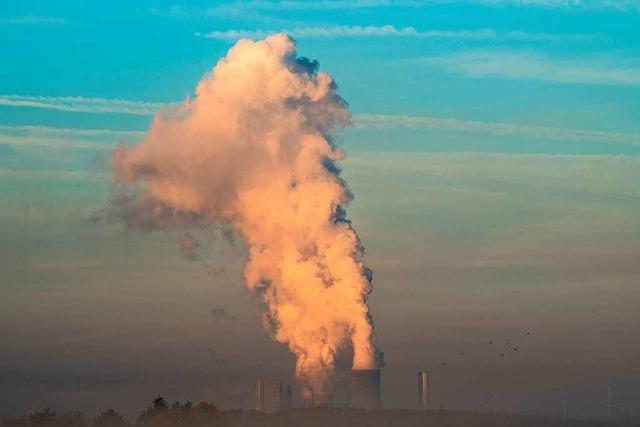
493	159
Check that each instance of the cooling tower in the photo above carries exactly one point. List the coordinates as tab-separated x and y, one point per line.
365	389
423	390
321	400
285	396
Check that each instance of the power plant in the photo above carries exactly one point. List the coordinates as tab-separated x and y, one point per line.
321	400
285	396
259	394
272	395
365	389
423	390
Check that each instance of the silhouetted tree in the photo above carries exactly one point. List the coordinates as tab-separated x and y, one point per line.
71	419
21	421
47	418
206	414
158	406
110	418
159	403
42	417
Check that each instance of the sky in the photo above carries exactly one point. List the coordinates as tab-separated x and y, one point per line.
494	160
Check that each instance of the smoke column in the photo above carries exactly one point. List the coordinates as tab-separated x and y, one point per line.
253	149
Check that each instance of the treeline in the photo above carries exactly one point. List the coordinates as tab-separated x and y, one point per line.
205	414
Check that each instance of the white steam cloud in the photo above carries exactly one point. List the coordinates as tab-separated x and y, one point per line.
253	148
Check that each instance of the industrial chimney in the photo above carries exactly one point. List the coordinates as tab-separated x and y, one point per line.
365	389
423	390
259	394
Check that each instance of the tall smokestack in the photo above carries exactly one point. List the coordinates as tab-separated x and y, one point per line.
423	390
365	389
259	394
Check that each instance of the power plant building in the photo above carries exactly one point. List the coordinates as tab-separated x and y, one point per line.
272	395
365	389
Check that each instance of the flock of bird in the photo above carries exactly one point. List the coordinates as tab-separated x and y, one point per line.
507	343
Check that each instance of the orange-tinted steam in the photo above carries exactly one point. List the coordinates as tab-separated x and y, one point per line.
252	148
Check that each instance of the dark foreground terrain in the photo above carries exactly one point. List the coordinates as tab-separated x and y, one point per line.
159	414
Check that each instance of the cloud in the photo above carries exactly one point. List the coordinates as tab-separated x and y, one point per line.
189	247
83	105
143	213
22	141
49	175
341	31
314	32
518	194
65	138
617	5
32	20
211	352
322	4
254	148
242	8
239	8
527	65
103	139
215	271
385	121
55	132
220	314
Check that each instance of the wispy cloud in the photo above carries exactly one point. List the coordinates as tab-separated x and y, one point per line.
100	138
32	20
65	138
43	174
385	121
237	8
534	66
391	31
82	104
63	133
617	5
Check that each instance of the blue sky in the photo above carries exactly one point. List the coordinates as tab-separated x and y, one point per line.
549	63
493	158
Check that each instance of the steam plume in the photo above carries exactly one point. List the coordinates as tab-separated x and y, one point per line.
189	247
253	148
219	313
